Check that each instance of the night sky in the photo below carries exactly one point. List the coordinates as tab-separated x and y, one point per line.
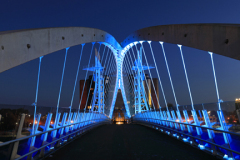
119	18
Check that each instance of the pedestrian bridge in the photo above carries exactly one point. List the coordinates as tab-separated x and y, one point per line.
125	68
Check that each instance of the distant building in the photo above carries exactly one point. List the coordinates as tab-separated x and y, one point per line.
87	88
90	87
129	91
150	93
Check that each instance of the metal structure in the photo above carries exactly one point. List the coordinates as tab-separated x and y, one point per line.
141	104
98	95
18	47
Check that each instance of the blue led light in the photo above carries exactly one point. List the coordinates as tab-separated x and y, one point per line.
185	139
135	43
201	147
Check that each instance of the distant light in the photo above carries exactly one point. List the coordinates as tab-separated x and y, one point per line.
179	45
119	123
225	156
71	121
201	147
210	53
51	147
185	139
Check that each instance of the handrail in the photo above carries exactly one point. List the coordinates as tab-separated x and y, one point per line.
35	150
199	139
20	139
234	133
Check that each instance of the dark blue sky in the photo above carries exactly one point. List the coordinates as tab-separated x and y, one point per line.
119	18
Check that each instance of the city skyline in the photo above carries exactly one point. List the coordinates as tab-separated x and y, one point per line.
18	84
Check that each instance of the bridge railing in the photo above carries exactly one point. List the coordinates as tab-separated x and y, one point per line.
208	135
49	137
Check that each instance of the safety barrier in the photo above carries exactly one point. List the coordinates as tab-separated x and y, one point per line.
53	136
207	138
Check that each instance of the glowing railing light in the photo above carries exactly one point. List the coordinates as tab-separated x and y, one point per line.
201	147
225	156
51	147
210	53
141	42
135	43
185	139
161	42
131	44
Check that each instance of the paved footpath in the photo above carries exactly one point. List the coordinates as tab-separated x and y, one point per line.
127	142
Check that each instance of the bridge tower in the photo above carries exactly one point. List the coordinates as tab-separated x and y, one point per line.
139	89
98	94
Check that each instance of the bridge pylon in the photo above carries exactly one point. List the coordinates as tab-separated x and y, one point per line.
98	94
139	89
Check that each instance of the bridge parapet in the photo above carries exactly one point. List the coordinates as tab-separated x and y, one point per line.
214	138
46	138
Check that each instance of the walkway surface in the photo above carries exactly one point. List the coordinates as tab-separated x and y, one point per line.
127	142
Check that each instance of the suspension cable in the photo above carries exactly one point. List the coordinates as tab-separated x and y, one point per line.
169	74
189	90
147	85
150	75
159	78
86	76
76	78
59	95
215	80
36	98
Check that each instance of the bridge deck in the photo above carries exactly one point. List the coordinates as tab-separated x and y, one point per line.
127	142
